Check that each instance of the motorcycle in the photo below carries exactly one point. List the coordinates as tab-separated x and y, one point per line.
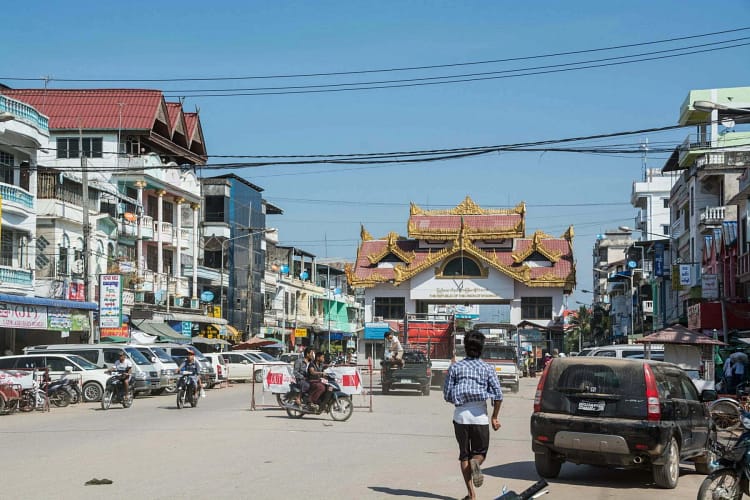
333	401
732	477
536	490
58	393
187	390
115	391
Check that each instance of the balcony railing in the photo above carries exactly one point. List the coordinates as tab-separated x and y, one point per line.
16	194
712	216
166	230
128	228
182	238
692	143
676	229
25	113
13	276
147	227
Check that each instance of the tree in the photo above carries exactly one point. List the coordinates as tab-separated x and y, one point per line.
580	328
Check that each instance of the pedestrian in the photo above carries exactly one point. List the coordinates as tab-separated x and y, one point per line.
728	376
468	385
395	350
739	359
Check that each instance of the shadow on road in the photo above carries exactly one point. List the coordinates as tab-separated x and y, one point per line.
408	493
581	475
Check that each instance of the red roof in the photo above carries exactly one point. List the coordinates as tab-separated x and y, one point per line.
100	109
480	223
678	334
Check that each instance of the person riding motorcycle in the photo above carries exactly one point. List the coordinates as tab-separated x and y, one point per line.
191	365
300	373
315	377
123	366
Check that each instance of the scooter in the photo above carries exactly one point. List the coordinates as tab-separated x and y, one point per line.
187	390
58	393
536	490
732	477
333	401
115	391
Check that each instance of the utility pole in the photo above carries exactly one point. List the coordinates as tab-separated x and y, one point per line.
86	232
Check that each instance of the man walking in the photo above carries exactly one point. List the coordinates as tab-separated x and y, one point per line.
468	385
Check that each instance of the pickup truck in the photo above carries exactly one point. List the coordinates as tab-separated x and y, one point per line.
415	374
503	358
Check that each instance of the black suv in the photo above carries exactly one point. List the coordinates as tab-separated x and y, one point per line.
620	413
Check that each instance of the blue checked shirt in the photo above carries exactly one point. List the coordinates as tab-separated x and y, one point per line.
471	379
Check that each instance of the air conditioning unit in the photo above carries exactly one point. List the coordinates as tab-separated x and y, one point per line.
177	301
195	303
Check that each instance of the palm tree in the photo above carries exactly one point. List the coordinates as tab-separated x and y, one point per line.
580	329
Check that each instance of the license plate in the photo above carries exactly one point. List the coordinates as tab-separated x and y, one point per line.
591	405
405	381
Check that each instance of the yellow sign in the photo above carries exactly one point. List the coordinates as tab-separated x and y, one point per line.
300	332
217	311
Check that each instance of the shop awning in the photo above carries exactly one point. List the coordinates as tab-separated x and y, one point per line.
195	318
40	301
207	341
160	330
232	332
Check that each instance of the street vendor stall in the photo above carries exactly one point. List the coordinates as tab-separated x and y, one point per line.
691	351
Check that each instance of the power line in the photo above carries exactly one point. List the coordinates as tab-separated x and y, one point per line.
392	69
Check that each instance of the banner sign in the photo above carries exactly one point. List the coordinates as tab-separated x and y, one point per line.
24	378
710	288
23	316
685	275
110	300
300	332
276	378
659	259
349	378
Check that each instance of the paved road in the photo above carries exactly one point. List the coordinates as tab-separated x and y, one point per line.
403	449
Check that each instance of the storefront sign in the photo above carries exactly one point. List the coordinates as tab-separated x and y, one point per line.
187	329
710	286
110	300
300	332
23	316
685	275
76	291
659	259
128	298
115	332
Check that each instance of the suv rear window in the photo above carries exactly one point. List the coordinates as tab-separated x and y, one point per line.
414	357
620	387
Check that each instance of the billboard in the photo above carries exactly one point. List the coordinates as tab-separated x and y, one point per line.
110	301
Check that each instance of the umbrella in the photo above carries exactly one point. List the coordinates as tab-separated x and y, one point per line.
253	343
739	356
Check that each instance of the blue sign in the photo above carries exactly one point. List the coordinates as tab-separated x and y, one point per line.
187	329
376	331
284	269
207	296
632	264
659	259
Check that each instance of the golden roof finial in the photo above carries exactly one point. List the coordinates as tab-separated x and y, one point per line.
364	234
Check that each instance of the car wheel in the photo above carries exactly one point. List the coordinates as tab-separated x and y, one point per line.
667	474
546	465
92	392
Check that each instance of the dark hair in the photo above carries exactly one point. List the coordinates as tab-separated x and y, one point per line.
386	335
308	350
473	344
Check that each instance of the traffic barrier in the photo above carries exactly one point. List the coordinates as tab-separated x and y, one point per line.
277	378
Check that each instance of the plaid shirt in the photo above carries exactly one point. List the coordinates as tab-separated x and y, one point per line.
471	379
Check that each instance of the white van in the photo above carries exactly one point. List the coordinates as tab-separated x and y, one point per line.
634	351
105	355
93	378
163	363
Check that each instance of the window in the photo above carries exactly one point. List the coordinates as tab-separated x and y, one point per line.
665	229
536	307
6	167
665	202
390	307
606	354
214	208
68	147
57	364
462	266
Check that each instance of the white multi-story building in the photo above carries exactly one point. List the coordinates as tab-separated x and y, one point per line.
651	197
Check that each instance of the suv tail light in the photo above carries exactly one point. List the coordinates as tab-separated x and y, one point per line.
218	370
540	388
653	406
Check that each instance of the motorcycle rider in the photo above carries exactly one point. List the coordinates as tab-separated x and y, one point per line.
314	376
300	373
123	366
191	365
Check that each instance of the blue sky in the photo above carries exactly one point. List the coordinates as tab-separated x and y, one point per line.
103	40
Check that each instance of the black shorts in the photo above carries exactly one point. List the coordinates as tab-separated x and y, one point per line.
472	440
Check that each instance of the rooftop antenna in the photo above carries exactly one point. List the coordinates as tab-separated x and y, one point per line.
644	159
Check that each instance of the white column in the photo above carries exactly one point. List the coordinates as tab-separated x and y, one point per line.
177	266
195	207
159	243
140	264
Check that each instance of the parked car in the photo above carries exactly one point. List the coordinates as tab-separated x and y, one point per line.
259	359
220	366
163	363
290	357
620	413
93	378
105	356
628	351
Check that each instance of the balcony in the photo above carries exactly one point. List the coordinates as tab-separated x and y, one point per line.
692	146
24	113
641	221
19	277
128	229
677	228
712	217
181	238
16	195
166	231
147	227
